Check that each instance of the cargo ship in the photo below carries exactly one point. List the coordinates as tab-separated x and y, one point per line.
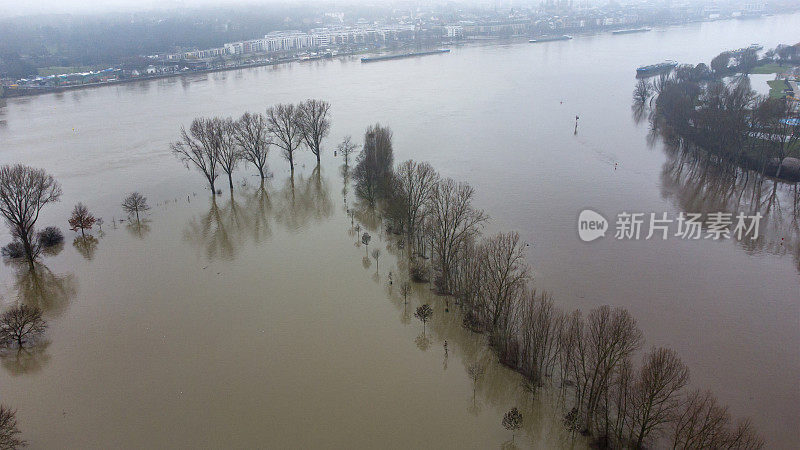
563	37
402	55
631	30
655	69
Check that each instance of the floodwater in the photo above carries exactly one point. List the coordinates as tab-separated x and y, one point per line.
258	321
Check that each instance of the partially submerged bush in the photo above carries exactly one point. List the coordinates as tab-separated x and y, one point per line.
50	236
13	250
418	272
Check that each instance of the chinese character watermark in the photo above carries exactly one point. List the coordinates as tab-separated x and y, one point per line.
637	225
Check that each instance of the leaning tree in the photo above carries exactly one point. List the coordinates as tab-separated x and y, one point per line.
200	147
24	191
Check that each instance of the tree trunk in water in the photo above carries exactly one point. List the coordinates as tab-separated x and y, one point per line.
230	181
28	249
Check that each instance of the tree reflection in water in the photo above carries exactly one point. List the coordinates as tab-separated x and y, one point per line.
86	246
496	387
42	288
25	360
227	227
698	185
302	201
138	228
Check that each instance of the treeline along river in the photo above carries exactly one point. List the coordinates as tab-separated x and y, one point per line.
212	326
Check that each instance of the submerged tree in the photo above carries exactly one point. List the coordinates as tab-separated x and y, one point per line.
50	237
376	253
415	182
642	92
81	219
283	121
9	431
452	221
314	124
252	136
135	203
512	421
24	191
654	397
229	152
200	147
424	313
373	173
20	324
475	372
346	148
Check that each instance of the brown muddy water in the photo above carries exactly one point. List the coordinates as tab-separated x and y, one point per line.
257	321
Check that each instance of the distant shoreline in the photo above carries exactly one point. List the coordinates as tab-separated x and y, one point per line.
29	92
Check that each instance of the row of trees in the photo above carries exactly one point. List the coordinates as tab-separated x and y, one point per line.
591	358
212	145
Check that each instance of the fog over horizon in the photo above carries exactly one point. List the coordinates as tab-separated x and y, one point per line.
12	8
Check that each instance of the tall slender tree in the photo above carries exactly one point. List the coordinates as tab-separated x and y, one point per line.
229	152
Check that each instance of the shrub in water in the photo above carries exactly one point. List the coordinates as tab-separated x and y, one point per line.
13	250
50	236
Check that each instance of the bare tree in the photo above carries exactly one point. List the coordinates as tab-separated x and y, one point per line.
642	92
504	276
314	124
699	422
9	431
21	323
415	181
346	148
135	203
405	289
229	153
252	136
284	124
512	421
452	221
655	394
744	437
200	147
475	372
24	191
611	337
81	219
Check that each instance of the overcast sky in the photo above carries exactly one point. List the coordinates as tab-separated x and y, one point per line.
28	7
